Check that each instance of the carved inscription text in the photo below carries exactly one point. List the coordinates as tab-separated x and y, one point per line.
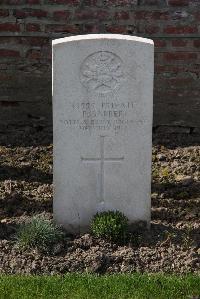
101	116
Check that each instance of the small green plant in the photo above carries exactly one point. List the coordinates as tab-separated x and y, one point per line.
111	225
155	173
40	233
187	237
165	172
182	195
169	237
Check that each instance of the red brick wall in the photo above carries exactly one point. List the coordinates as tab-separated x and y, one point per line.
28	26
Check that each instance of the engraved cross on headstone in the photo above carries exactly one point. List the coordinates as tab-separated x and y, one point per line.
102	161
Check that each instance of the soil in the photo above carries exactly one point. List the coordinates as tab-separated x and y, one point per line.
171	245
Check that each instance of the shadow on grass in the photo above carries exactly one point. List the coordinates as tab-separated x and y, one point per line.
177	190
161	234
167	235
24	173
175	203
175	140
16	205
32	135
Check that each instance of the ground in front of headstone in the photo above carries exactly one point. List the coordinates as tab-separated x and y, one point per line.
172	244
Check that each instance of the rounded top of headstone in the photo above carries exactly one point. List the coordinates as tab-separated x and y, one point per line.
102	37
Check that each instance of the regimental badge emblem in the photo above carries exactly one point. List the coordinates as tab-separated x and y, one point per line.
102	72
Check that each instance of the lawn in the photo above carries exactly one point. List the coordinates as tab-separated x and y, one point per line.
73	286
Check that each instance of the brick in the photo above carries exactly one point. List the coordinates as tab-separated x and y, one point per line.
9	53
121	2
160	15
152	29
179	43
61	15
9	103
6	77
62	28
32	2
69	2
151	15
196	43
178	2
169	69
23	13
4	12
8	40
89	2
170	93
197	15
10	27
32	27
160	68
121	15
117	29
150	2
14	2
173	129
34	54
178	82
19	14
179	56
159	43
34	41
196	130
92	28
91	14
181	29
121	29
38	13
141	15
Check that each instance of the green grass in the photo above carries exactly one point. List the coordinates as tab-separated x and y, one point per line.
73	286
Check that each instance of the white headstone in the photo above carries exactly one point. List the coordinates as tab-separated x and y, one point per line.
102	118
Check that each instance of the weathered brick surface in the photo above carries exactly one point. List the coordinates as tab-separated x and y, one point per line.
28	26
